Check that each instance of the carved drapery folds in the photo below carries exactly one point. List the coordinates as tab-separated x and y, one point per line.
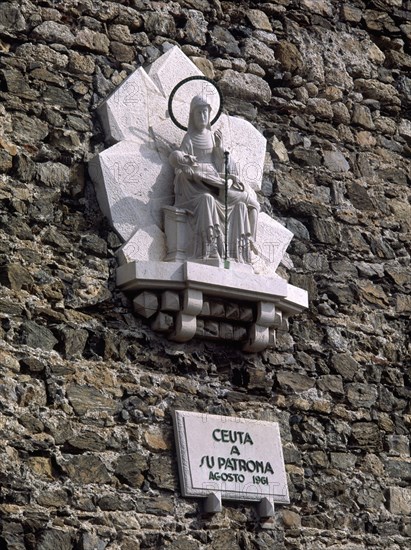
170	264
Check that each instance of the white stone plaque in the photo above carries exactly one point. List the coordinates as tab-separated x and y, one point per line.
240	459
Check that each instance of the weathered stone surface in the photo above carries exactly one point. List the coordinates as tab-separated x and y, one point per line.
156	441
306	157
129	469
224	41
279	150
44	54
53	237
335	161
291	520
87	441
399	500
161	24
366	435
325	231
81	64
185	543
373	89
15	276
85	469
41	466
52	499
204	65
91	40
288	55
351	13
91	541
403	303
163	472
87	398
53	174
6	161
331	383
359	197
320	108
259	20
341	114
257	51
398	445
294	381
322	7
361	395
400	469
28	129
245	86
349	171
373	293
54	538
37	336
9	362
94	245
196	28
51	31
361	115
343	461
11	18
16	84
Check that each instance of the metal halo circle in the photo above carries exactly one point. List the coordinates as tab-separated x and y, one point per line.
178	86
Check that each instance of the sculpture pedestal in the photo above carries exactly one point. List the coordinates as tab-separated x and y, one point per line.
189	299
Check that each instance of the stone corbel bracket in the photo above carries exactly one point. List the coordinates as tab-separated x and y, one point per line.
187	299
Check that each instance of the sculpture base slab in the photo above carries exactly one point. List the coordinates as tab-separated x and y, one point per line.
187	299
225	264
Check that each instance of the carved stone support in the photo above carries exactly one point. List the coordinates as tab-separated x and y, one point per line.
185	327
226	331
170	301
258	338
285	325
265	508
162	322
186	320
212	503
146	304
192	299
240	334
192	302
265	314
278	318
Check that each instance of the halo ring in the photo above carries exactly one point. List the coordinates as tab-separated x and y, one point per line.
178	86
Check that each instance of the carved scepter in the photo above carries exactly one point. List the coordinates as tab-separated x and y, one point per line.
226	263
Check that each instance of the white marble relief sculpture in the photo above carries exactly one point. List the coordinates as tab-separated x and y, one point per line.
193	246
199	189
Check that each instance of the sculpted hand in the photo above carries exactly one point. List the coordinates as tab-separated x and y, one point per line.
188	171
218	139
237	184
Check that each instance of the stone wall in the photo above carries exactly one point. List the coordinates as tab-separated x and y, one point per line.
87	457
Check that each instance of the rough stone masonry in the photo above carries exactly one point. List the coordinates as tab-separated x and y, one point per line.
87	455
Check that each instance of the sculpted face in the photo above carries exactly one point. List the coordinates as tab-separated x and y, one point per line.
201	117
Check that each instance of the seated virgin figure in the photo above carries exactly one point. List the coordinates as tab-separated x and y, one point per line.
199	187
